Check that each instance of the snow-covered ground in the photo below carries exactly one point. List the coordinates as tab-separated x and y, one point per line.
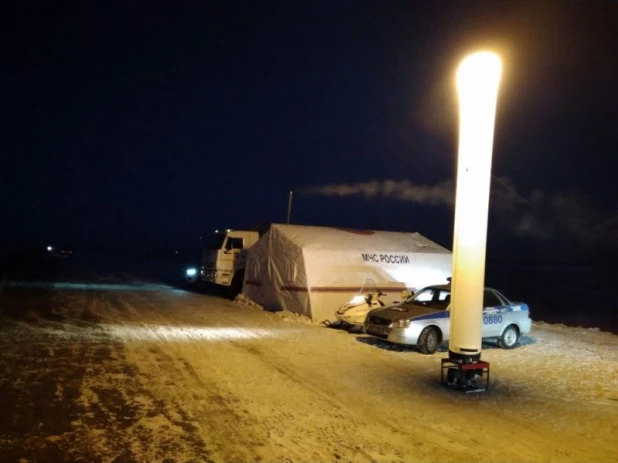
111	368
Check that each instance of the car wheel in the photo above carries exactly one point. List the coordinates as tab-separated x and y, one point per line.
429	340
509	337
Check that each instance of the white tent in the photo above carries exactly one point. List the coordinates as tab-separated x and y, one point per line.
314	270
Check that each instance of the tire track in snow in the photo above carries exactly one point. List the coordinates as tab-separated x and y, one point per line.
104	412
211	412
333	406
312	393
159	430
399	440
215	413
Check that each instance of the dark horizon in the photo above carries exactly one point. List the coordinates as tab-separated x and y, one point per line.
150	124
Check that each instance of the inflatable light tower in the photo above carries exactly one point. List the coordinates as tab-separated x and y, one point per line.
478	79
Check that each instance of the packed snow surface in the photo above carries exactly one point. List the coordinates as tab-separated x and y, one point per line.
97	373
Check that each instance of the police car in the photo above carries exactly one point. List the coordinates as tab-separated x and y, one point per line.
424	319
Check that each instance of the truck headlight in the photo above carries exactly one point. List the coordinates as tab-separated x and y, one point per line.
401	324
191	272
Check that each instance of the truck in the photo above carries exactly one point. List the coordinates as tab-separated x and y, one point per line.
224	257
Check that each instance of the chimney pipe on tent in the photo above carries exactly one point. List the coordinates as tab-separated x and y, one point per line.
290	207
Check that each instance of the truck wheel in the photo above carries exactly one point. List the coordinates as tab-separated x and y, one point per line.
429	340
509	337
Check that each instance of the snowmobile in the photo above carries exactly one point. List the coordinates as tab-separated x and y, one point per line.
355	311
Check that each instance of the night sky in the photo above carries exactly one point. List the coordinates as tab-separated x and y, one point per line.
148	123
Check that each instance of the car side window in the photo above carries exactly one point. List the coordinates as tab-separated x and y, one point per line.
490	299
444	299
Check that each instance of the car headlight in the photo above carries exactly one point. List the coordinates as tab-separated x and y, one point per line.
191	272
401	324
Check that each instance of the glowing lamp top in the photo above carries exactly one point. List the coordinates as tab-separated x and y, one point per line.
478	71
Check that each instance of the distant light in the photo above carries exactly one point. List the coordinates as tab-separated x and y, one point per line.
191	272
228	230
175	252
216	231
50	248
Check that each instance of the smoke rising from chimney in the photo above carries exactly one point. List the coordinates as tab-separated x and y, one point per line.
541	215
440	194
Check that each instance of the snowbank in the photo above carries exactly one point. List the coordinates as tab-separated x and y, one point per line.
285	315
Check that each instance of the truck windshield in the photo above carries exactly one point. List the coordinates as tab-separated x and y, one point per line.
214	241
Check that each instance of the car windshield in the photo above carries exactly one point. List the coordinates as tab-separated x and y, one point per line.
436	298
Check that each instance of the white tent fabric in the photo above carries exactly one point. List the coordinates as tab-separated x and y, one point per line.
314	270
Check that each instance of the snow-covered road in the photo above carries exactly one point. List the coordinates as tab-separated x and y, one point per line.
99	365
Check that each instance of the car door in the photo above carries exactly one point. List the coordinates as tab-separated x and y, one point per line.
493	314
510	316
443	301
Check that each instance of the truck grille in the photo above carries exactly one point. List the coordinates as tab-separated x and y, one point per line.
208	266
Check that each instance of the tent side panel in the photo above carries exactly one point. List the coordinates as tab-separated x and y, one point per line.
334	277
282	275
287	275
255	285
431	269
274	270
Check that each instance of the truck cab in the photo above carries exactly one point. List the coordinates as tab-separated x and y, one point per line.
225	256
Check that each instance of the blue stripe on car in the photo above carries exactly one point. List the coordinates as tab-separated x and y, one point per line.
432	316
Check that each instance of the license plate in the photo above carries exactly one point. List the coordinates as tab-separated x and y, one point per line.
381	330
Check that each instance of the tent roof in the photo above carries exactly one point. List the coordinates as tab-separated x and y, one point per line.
340	239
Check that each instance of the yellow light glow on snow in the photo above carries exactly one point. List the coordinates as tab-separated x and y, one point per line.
478	80
187	333
164	333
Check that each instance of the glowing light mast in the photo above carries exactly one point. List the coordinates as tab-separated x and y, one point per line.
478	79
